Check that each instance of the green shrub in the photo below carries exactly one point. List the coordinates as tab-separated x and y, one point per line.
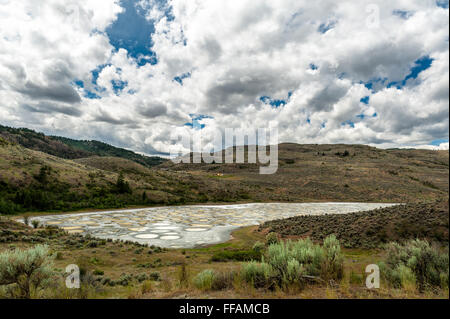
417	258
124	280
35	224
406	276
333	266
141	277
99	272
296	262
258	274
7	207
30	270
204	280
271	238
155	276
294	272
258	247
310	256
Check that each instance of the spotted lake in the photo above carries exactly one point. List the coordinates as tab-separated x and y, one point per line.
189	226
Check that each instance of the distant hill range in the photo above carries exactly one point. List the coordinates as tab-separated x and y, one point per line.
72	149
47	173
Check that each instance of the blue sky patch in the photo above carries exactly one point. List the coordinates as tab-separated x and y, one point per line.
79	83
92	95
324	27
118	85
365	100
403	14
275	103
132	31
95	73
420	65
442	3
375	84
196	118
181	77
349	123
439	141
379	83
87	94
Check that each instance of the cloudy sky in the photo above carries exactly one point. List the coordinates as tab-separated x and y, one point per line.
131	72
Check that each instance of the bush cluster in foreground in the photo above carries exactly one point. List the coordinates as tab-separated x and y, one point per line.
413	266
296	263
416	264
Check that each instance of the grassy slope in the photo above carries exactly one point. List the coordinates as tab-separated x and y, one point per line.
69	148
315	172
370	229
89	182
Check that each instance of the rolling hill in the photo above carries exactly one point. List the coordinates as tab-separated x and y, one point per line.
41	173
71	149
339	173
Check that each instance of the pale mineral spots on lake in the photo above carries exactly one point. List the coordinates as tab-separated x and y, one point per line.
190	226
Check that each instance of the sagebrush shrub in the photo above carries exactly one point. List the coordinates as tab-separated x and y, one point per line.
271	238
258	247
295	262
30	270
427	264
204	280
155	276
309	255
295	272
258	274
333	266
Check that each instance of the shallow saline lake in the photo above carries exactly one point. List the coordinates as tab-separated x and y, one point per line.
189	226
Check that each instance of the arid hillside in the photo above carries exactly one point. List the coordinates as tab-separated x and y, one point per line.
32	180
338	172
